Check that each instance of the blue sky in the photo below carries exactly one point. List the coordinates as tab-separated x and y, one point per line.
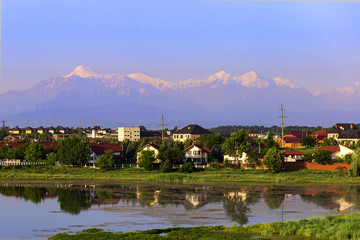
314	44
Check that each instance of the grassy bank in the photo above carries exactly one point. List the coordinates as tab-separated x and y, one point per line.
208	175
330	227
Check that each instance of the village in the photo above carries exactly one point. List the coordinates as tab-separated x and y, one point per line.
323	149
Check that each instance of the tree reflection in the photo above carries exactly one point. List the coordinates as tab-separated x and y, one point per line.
74	201
236	210
354	196
274	197
35	195
321	199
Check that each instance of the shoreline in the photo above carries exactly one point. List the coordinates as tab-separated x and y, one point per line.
231	176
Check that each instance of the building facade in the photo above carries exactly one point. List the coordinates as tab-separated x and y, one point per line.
129	133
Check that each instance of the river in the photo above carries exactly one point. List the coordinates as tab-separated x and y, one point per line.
32	209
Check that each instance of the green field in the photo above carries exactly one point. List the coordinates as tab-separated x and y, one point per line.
330	227
207	175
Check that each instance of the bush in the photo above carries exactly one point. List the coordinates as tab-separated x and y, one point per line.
146	160
106	161
214	164
273	160
167	166
187	168
322	156
308	157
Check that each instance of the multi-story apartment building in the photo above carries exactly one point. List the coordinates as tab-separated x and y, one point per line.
130	133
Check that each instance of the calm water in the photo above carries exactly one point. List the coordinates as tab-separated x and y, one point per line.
38	209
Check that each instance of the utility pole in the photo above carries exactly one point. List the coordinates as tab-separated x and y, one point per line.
79	133
282	125
3	124
162	127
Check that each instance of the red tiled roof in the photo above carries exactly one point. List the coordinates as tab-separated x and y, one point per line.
47	145
292	139
292	152
100	148
206	149
298	134
320	133
331	149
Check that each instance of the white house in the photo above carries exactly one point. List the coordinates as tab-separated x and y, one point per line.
197	155
236	159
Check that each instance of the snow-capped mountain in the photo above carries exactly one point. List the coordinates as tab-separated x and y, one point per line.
139	99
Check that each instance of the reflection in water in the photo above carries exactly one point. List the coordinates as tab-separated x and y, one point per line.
274	197
236	201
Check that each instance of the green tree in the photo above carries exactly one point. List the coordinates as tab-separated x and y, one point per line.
308	141
329	142
3	151
187	168
51	158
273	160
106	161
44	137
146	160
322	156
237	143
72	151
174	155
214	143
355	163
35	152
166	166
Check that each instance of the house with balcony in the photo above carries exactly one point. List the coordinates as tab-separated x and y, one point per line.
197	155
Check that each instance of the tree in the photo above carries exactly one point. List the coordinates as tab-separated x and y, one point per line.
273	160
238	143
106	161
329	142
187	168
174	155
44	137
35	152
355	163
322	156
213	142
51	158
72	151
146	160
166	166
308	141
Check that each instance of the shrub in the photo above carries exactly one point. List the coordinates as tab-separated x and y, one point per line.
308	157
215	164
167	166
273	160
146	160
106	161
187	168
322	156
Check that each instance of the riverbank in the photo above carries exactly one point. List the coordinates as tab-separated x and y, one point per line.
203	175
330	227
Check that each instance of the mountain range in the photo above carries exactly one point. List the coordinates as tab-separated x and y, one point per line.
112	100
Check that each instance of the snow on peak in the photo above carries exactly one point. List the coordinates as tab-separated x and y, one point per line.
222	75
156	82
251	79
285	82
83	72
347	91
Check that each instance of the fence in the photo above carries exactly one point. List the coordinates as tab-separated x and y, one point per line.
18	162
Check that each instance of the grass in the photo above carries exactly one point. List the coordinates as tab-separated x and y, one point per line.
330	227
207	175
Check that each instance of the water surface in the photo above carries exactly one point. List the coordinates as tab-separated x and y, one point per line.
40	209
